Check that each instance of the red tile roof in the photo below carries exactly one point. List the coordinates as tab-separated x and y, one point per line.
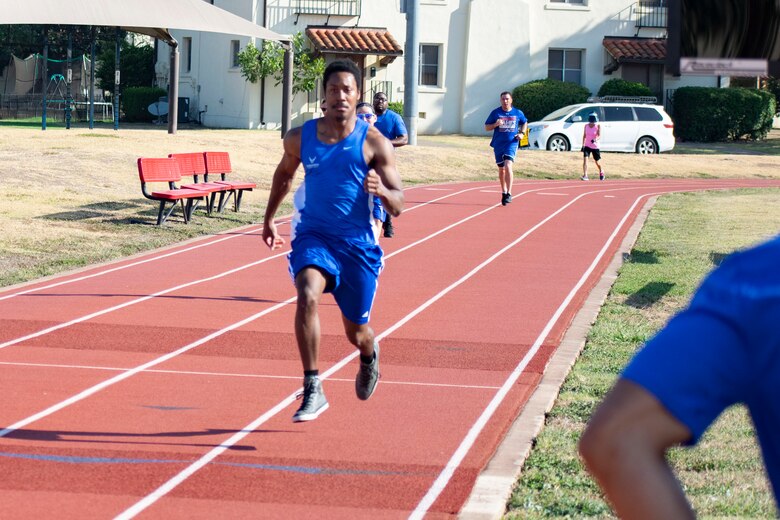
637	50
354	40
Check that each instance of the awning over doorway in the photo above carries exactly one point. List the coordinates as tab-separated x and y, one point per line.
355	41
633	50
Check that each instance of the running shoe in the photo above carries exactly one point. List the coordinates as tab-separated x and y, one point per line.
314	402
503	199
601	176
368	376
584	178
508	198
387	226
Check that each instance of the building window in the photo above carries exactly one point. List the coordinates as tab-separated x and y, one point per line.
429	65
576	2
235	47
187	46
565	65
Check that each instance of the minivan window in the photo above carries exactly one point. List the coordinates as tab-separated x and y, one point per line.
648	114
584	113
618	114
559	114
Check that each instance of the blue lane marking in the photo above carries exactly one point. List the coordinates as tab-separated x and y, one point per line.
311	471
269	467
88	460
167	408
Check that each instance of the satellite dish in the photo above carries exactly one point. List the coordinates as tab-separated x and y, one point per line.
158	108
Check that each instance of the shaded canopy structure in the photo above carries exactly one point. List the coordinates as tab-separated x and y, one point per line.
154	18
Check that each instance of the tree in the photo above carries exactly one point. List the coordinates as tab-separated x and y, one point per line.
136	63
269	62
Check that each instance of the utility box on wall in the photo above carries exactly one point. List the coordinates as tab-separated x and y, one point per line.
184	109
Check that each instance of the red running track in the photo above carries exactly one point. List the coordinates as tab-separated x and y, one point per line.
162	386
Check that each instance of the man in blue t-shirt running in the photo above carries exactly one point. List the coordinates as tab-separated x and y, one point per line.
508	125
722	350
334	249
392	126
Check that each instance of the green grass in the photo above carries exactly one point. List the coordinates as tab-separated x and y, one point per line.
686	235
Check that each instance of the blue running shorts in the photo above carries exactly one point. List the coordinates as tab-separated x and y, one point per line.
353	266
506	152
378	212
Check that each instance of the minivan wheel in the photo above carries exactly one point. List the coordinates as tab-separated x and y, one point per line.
558	143
646	145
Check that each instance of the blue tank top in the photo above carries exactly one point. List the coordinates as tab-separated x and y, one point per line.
332	201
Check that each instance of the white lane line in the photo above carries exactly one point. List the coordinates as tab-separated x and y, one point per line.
296	377
555	194
177	479
468	441
126	266
133	302
282	220
121	377
95	314
105	384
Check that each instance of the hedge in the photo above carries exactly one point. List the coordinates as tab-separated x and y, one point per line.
621	87
136	100
542	96
397	107
716	114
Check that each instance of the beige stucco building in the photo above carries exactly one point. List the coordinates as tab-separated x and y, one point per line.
470	50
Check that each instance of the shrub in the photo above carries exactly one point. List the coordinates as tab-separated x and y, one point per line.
716	114
772	85
621	87
540	97
396	106
136	100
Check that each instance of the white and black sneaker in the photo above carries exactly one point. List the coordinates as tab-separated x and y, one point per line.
314	402
368	376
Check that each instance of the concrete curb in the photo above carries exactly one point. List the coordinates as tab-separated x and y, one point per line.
495	483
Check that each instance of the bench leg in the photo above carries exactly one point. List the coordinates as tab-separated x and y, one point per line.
221	204
160	217
224	202
210	206
239	195
187	210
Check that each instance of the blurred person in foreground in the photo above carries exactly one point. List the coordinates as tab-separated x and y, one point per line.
722	350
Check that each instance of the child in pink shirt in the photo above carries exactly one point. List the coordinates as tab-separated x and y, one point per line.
590	145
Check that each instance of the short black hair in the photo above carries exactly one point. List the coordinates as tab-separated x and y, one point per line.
342	66
364	104
504	93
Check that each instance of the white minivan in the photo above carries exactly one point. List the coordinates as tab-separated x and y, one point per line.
625	127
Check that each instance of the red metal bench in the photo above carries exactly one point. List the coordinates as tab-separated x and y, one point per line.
166	170
218	163
194	165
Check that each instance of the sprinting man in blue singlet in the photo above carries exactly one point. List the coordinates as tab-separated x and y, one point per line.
334	249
